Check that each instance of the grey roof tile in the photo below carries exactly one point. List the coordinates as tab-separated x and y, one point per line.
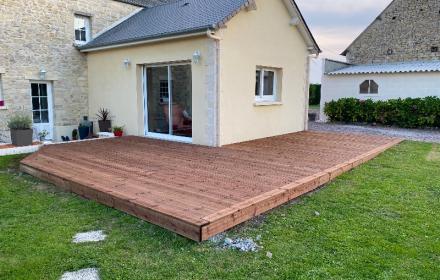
145	3
177	17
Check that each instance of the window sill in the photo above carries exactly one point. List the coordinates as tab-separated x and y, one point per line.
268	103
4	107
78	44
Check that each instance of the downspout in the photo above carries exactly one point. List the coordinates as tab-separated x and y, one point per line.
307	91
217	40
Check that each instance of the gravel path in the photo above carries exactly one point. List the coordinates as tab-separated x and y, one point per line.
432	136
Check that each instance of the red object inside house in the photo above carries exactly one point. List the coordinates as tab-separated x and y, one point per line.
2	103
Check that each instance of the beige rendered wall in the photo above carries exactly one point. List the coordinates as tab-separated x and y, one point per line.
261	37
119	89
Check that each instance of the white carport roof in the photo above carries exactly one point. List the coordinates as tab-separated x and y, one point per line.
390	68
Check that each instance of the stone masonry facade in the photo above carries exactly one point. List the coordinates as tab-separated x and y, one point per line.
407	30
37	34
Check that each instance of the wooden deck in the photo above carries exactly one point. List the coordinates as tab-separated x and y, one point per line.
200	191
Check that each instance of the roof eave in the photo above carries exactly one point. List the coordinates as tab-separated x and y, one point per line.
140	41
307	32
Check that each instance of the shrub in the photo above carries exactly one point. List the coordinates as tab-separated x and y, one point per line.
407	113
315	94
20	122
103	114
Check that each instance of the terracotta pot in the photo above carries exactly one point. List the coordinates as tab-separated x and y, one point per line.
21	137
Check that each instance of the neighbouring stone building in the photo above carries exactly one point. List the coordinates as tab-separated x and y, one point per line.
407	30
39	58
397	56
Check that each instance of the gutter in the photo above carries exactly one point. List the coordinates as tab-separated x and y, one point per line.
147	41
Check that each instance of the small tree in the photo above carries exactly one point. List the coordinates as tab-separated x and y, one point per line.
315	94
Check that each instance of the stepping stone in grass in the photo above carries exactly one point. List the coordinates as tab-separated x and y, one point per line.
83	274
91	236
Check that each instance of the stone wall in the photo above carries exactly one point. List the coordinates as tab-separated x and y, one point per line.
38	34
405	31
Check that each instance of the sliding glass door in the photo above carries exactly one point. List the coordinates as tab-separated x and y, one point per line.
168	101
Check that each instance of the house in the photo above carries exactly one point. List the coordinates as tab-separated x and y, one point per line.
206	72
42	72
200	71
397	56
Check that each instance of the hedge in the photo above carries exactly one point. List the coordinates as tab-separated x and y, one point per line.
315	94
407	113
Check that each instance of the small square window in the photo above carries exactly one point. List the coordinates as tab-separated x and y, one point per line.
434	49
266	84
82	29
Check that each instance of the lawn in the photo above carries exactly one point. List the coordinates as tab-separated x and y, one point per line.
380	221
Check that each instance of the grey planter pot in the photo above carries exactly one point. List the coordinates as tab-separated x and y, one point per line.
105	126
21	137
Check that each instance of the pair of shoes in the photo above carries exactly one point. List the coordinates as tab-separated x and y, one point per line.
65	138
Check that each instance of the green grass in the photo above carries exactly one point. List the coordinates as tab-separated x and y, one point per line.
380	221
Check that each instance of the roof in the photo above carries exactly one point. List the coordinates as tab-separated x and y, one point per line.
144	3
178	17
390	68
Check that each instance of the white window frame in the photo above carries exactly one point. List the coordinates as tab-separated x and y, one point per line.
88	26
267	98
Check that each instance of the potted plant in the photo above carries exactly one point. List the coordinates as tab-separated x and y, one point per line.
118	131
42	135
85	128
105	125
21	130
75	134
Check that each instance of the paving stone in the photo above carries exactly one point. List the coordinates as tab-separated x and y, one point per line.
91	236
83	274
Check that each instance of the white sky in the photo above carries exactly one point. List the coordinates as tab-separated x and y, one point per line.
336	23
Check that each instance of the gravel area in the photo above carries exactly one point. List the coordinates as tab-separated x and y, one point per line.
432	136
240	244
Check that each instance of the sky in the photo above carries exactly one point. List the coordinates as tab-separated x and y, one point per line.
336	23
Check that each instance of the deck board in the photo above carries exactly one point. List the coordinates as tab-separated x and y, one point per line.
200	191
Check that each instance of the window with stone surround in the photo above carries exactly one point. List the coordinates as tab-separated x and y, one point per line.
369	87
82	29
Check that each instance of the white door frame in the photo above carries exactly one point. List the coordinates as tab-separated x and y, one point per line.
50	124
160	136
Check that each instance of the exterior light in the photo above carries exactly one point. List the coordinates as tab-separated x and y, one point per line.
196	57
42	73
127	63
